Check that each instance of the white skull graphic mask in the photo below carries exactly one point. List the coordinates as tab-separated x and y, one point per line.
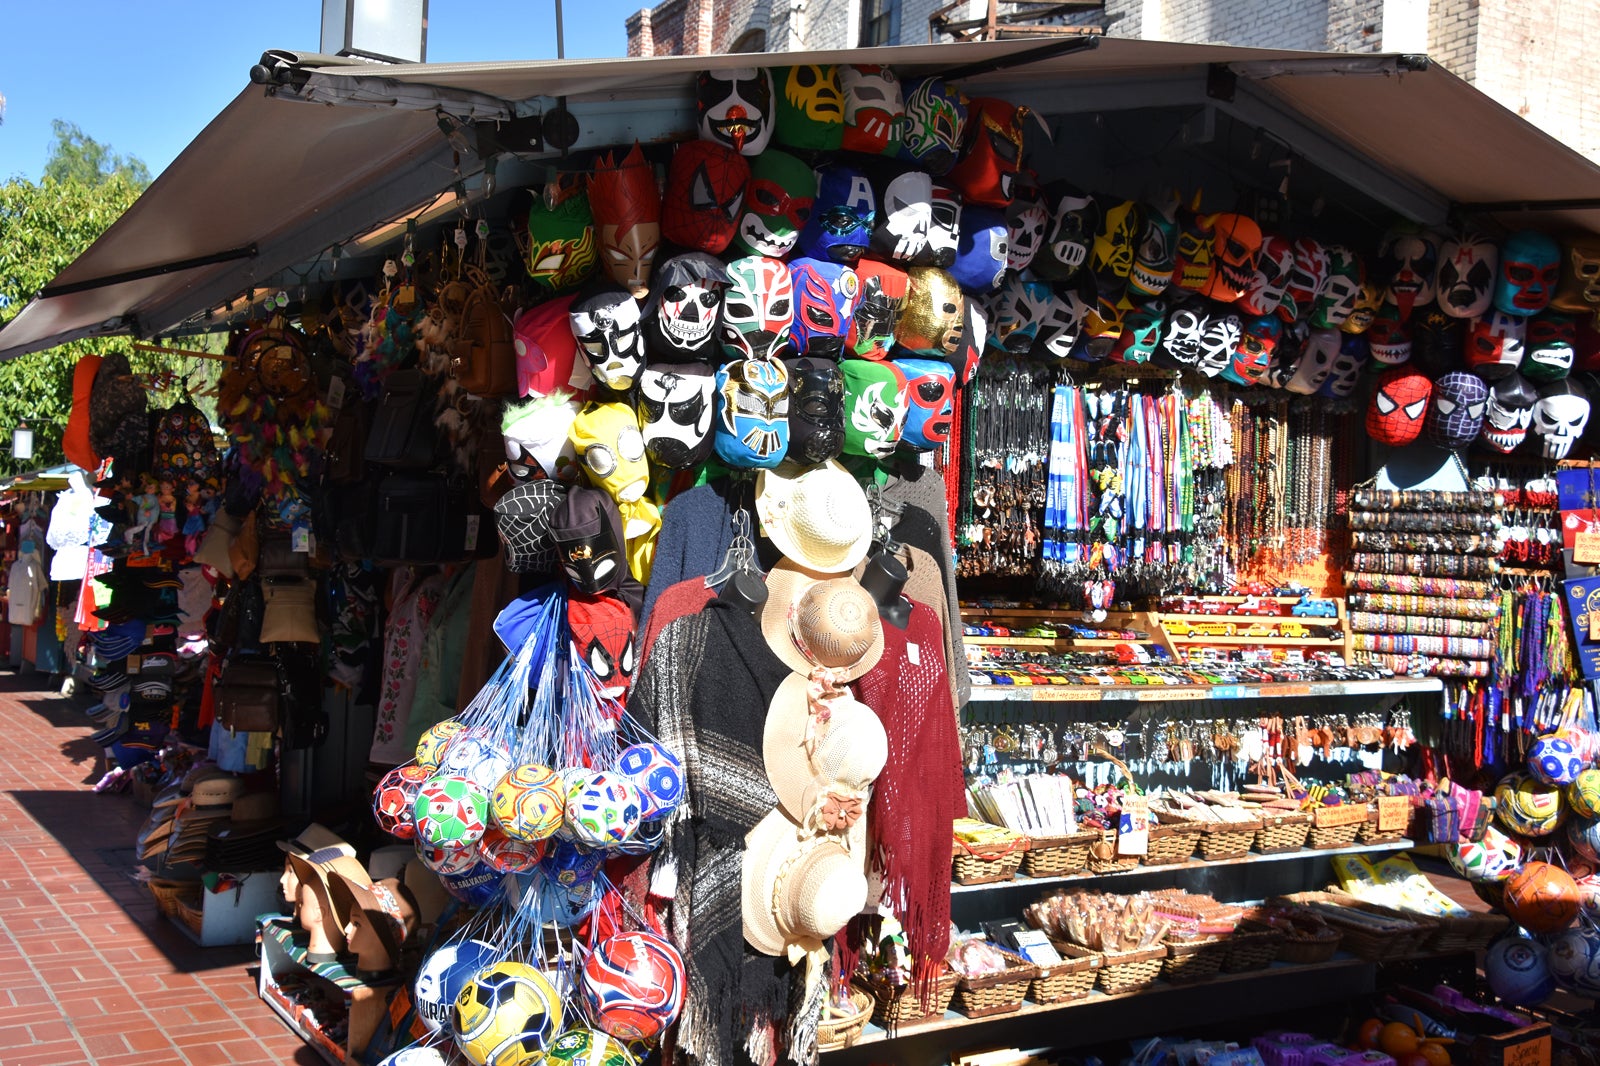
1560	417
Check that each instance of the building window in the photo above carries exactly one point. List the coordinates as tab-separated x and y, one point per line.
880	22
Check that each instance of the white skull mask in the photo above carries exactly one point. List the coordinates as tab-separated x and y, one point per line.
606	325
1346	368
1025	223
1560	417
675	407
907	217
1217	342
944	227
1181	339
1509	413
1063	322
1316	362
686	306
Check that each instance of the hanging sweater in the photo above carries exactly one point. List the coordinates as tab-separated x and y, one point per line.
696	529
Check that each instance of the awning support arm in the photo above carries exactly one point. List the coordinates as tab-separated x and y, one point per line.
67	289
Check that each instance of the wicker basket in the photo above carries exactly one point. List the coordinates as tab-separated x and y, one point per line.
901	1006
1194	960
1253	948
978	864
1103	857
1371	834
844	1030
1337	826
1449	933
1120	971
1228	840
996	993
172	896
1058	856
1402	937
1281	833
1065	980
1172	843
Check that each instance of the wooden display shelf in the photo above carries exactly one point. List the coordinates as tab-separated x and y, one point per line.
283	952
1135	621
1177	627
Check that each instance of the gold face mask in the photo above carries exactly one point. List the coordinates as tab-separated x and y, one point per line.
1579	290
930	321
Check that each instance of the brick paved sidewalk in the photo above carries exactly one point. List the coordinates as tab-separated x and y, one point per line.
89	971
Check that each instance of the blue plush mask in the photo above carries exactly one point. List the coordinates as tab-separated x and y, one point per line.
825	299
842	216
752	425
930	388
981	252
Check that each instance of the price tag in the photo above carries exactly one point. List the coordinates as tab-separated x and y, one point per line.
300	539
1133	827
1067	694
1594	626
1586	548
913	654
336	392
1228	692
472	532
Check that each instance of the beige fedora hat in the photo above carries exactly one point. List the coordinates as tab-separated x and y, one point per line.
818	515
807	756
812	621
797	888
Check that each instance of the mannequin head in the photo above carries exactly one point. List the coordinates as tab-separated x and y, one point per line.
308	912
381	917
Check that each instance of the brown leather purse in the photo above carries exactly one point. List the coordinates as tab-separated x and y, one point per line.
249	696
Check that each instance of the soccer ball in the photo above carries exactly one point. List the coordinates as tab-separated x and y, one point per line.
645	839
476	757
528	802
1555	759
1528	806
1584	836
419	1055
394	799
448	862
1542	898
450	811
602	810
633	985
507	854
477	887
506	1015
430	749
657	774
585	1047
1583	795
1518	971
1575	960
1491	859
444	974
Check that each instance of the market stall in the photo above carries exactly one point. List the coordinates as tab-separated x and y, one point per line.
850	555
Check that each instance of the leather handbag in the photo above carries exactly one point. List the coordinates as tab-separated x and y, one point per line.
484	355
278	561
426	518
249	696
402	432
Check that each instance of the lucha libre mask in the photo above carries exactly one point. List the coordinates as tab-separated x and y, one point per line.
1579	290
547	353
609	446
1235	253
1111	256
1400	401
561	250
1218	341
752	424
1195	240
1456	414
735	108
1408	257
1141	333
825	299
674	404
1018	309
930	392
991	152
1180	336
1306	279
705	196
587	531
777	205
1063	324
1074	220
537	439
1438	341
627	218
606	325
842	218
875	407
1316	362
1551	348
1026	219
603	633
1389	339
1340	292
1530	266
1286	356
874	110
1560	417
1347	366
883	294
981	254
1495	344
810	107
944	229
1509	413
1155	258
1369	301
935	116
1273	267
968	349
757	309
685	308
816	410
1257	342
930	323
904	217
1465	278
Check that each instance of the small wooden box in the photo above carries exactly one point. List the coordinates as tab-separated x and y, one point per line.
1519	1047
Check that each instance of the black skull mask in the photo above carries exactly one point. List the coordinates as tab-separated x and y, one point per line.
675	407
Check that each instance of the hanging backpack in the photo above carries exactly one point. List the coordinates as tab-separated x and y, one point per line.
484	355
184	447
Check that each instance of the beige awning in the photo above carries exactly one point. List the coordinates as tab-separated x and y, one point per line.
334	150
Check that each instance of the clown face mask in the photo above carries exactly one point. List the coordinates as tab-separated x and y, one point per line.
1258	340
875	407
674	405
752	425
1400	401
931	322
1155	259
1026	219
735	108
816	410
1456	414
1579	290
1111	258
1560	416
1437	340
1495	344
1530	266
1409	258
843	217
1551	349
981	255
935	116
1141	333
883	294
606	325
1306	279
603	633
1235	253
1389	339
825	299
609	446
627	218
685	308
1074	220
905	215
944	229
561	250
1347	367
991	152
1316	362
1509	413
1273	267
757	309
873	110
1019	308
810	107
930	392
705	196
778	205
1465	279
1196	237
1339	294
587	531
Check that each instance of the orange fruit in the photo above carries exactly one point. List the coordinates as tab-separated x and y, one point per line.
1397	1039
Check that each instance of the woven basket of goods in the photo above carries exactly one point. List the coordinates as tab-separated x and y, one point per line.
843	1022
993	980
984	854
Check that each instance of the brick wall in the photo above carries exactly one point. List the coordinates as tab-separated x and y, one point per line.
1264	24
1354	26
641	42
1453	36
1534	57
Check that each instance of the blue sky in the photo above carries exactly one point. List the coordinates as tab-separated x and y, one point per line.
145	77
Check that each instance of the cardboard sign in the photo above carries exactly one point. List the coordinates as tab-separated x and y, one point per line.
1394	813
1133	828
1585	546
1583	606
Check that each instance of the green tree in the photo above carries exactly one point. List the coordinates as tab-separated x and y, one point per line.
78	157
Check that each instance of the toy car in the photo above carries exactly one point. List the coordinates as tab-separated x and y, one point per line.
1259	606
1311	607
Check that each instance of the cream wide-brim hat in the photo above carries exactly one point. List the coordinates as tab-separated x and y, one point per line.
818	516
851	750
835	616
797	889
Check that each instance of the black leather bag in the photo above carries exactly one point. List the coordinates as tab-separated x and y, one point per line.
249	696
403	433
426	518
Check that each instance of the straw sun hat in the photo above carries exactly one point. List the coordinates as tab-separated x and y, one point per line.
817	516
798	889
812	621
809	758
